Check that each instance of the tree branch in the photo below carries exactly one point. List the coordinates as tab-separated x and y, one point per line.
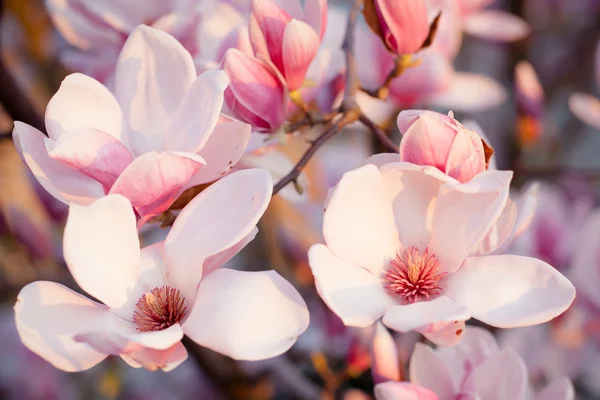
381	136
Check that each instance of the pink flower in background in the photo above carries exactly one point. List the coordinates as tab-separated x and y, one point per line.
585	106
491	24
256	93
402	391
99	29
154	296
288	37
403	242
403	25
477	368
159	134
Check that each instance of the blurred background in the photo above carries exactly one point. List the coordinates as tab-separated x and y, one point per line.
546	129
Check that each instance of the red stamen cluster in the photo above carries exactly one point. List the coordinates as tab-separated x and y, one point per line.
159	309
413	275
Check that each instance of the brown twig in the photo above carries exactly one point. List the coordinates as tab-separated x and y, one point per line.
381	136
13	99
401	63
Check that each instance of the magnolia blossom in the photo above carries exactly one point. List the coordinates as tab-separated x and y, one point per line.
98	29
152	297
288	37
585	106
160	133
407	243
402	25
476	368
491	24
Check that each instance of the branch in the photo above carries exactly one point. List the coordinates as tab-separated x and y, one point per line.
14	100
352	83
381	136
401	63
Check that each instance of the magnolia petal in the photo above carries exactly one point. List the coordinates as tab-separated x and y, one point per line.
584	271
586	107
272	21
246	315
496	25
385	362
83	102
351	292
119	336
509	291
300	45
216	260
153	360
464	214
445	333
125	17
315	15
406	24
408	317
379	160
102	249
359	224
48	314
96	154
377	110
222	151
428	369
59	180
153	181
499	232
190	130
477	345
560	389
466	157
403	391
145	86
470	92
501	376
428	141
217	219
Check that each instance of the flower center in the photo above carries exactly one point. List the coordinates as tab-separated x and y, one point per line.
414	275
158	309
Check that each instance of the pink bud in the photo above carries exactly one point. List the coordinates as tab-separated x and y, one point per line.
403	25
441	141
255	93
385	364
289	43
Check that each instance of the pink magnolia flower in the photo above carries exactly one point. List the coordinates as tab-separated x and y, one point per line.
403	25
404	242
288	38
153	296
256	94
402	391
585	106
491	24
98	30
147	142
477	369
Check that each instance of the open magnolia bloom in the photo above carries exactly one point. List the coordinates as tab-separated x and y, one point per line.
404	242
152	297
160	133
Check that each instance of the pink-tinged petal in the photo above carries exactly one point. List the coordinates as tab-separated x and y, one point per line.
358	225
501	376
300	45
216	220
464	214
560	389
246	315
145	86
78	29
499	232
428	141
125	17
351	292
315	15
445	333
96	154
412	190
477	345
381	159
470	92
584	271
255	94
474	126
59	180
153	360
102	249
404	24
83	102
272	21
586	107
153	181
403	391
496	25
530	93
408	317
385	362
428	369
526	206
197	115
216	260
48	314
466	157
223	150
509	291
407	118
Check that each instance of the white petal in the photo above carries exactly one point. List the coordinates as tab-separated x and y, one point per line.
586	107
496	25
470	92
427	369
408	317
